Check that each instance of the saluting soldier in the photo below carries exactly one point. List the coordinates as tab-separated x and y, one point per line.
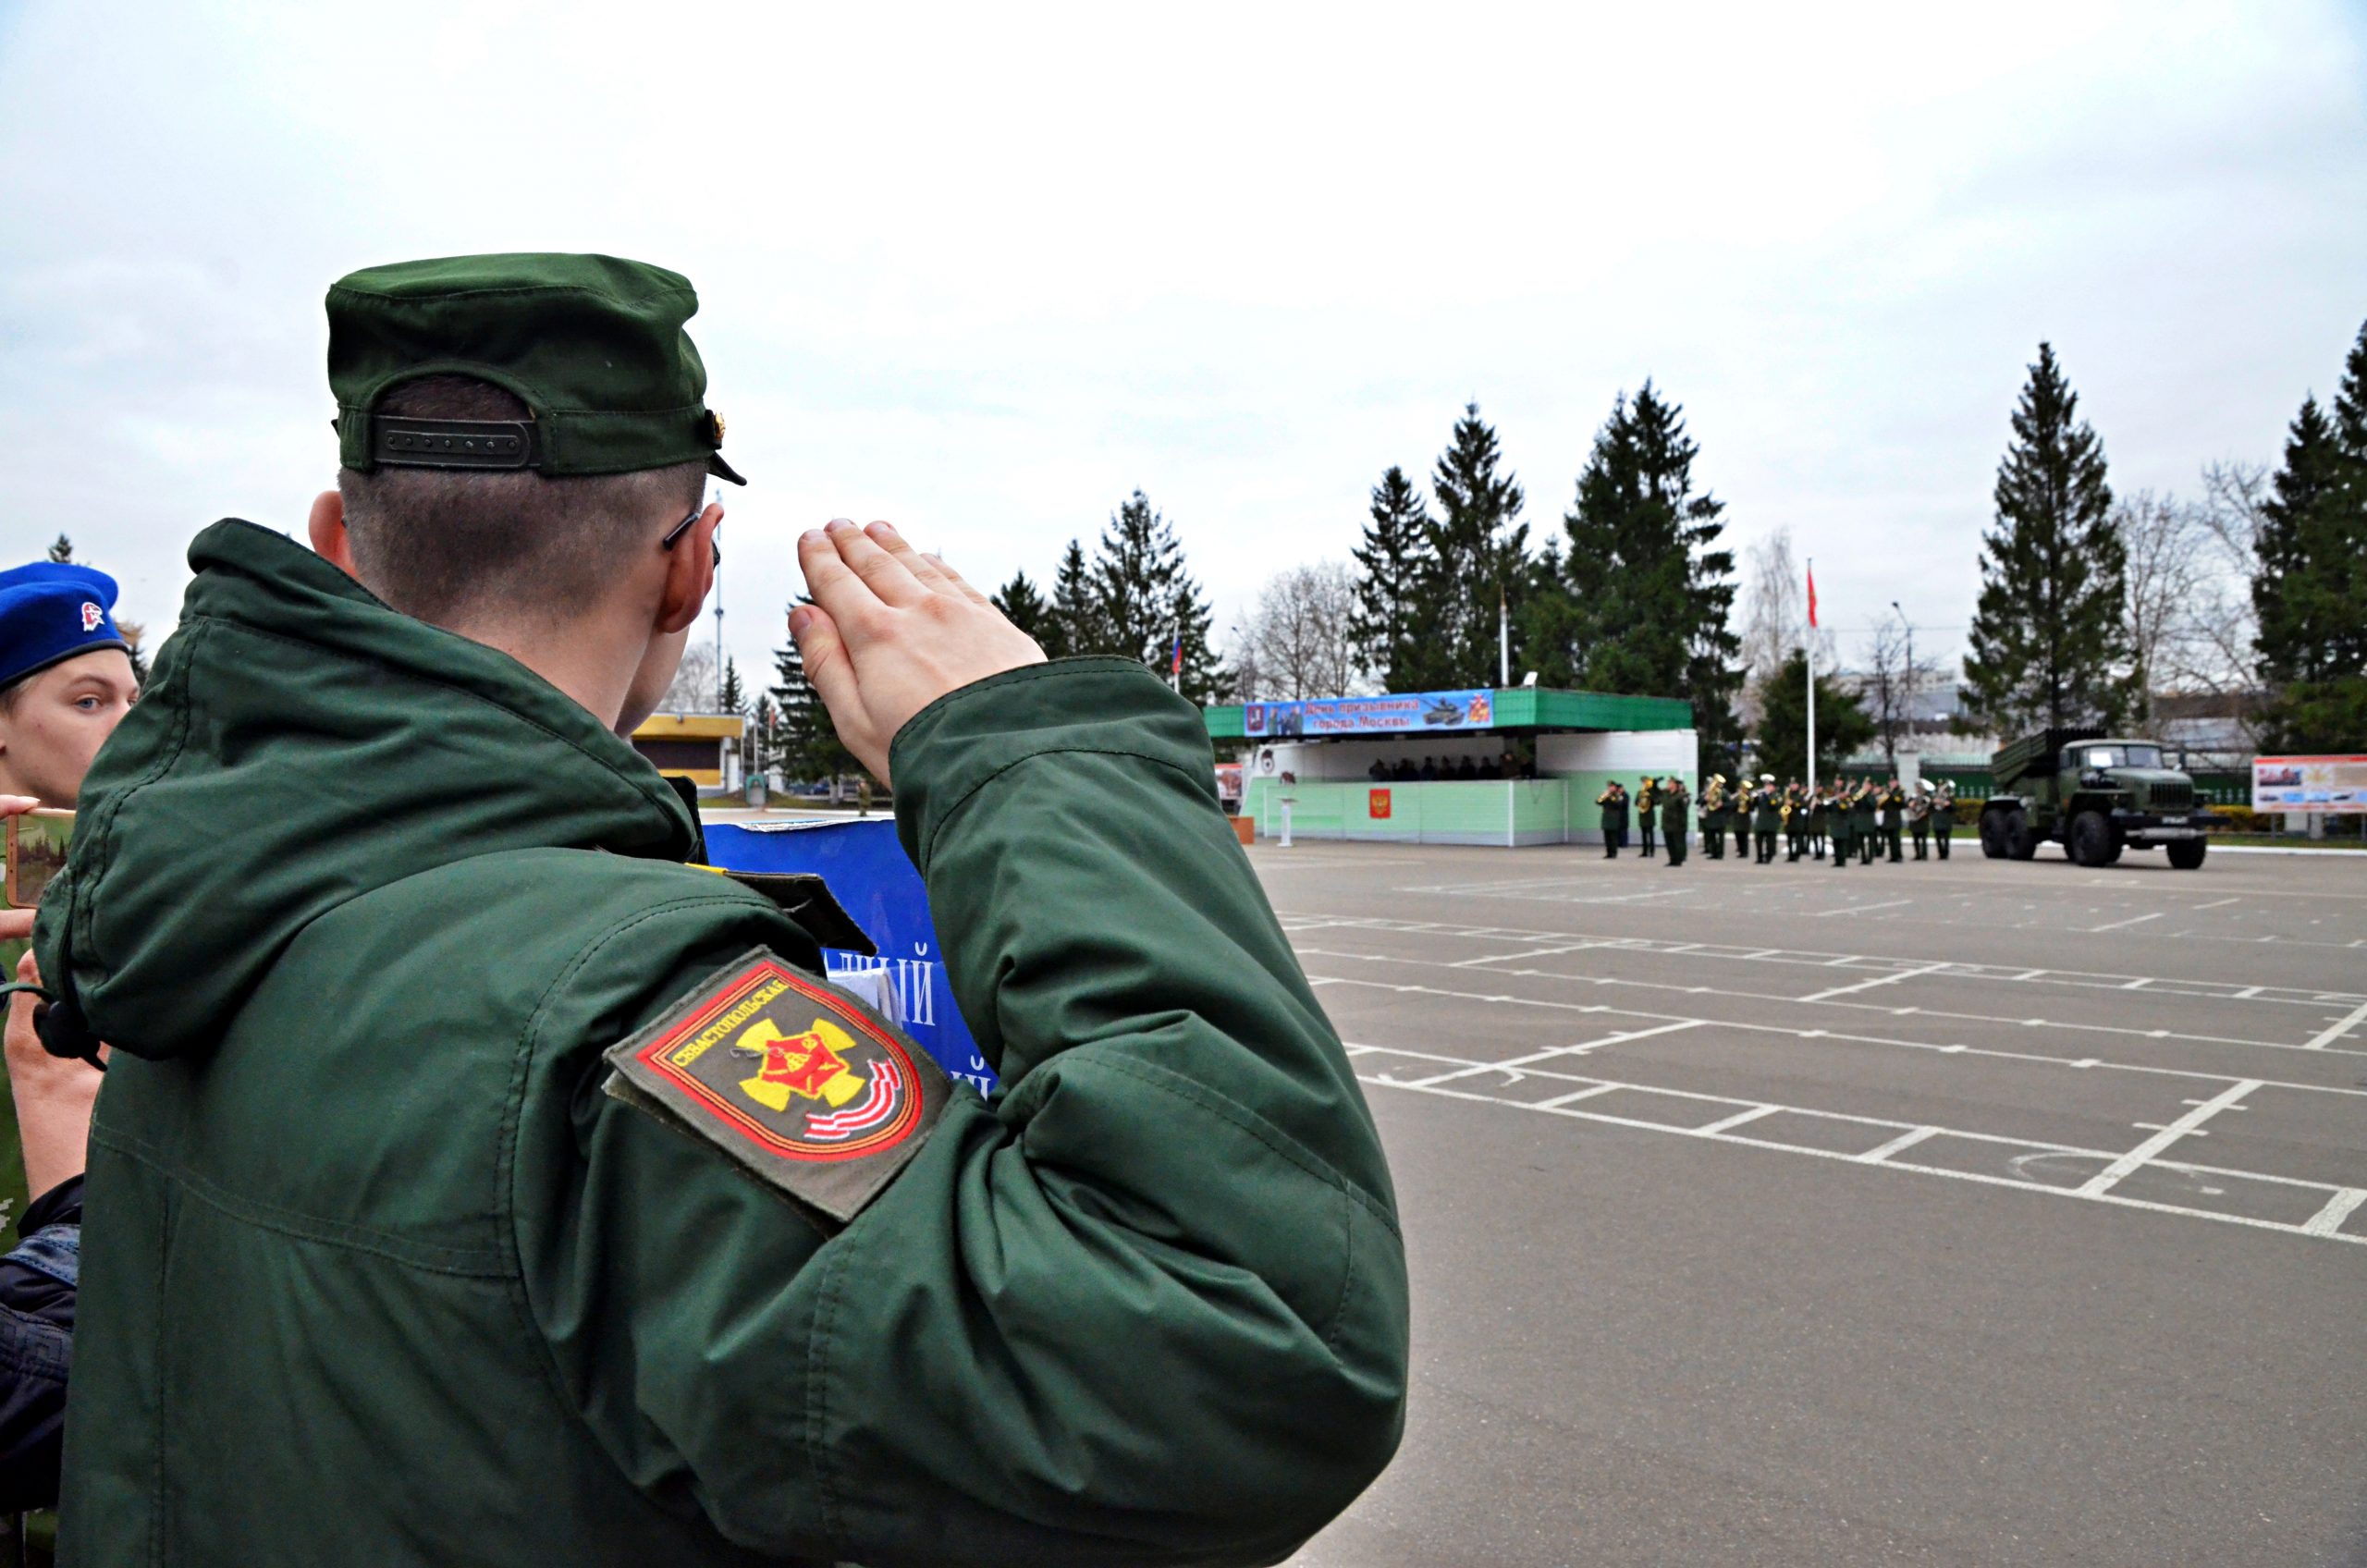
1647	802
1613	802
1674	804
1918	817
1943	814
1713	816
479	1179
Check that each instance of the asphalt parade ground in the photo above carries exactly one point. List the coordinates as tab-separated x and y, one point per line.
1968	1212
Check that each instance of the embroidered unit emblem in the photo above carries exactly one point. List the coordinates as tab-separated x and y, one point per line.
792	1077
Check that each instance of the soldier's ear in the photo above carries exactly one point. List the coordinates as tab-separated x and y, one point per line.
326	528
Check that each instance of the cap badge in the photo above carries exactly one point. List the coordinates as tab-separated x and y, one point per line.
714	429
91	616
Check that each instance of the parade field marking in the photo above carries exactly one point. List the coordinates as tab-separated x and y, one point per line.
2322	1225
2133	920
2330	1036
1948	1015
2012	974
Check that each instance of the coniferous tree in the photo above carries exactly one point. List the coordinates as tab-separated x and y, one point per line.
1075	625
2310	582
1392	564
1645	596
2048	640
1842	725
735	696
1204	678
1136	575
807	745
1025	607
1477	564
61	549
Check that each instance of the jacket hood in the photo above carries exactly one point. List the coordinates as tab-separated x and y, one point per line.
301	744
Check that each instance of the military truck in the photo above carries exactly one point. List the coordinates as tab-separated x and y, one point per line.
2093	795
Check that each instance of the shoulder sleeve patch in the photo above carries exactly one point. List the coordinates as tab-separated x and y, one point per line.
799	1081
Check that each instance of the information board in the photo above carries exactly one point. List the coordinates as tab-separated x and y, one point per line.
1405	713
2309	784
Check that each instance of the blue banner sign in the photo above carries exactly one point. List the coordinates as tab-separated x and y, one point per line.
1406	712
874	881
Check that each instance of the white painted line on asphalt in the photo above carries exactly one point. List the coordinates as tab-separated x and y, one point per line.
1905	1140
2328	1037
2204	990
1982	1178
2328	1221
1753	1114
2137	984
2133	920
1586	1094
1870	984
2106	1179
1951	1050
1550	1052
1531	952
2214	903
1860	908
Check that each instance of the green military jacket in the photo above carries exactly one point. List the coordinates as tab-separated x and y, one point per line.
376	1272
1766	810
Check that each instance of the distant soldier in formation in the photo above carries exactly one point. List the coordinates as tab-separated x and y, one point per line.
1796	822
1647	802
1766	818
1739	806
1673	826
1713	816
1894	809
1943	814
1918	819
1836	817
1863	824
1613	802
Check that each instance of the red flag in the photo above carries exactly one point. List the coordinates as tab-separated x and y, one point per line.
1811	597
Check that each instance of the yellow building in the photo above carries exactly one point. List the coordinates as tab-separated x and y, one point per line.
701	747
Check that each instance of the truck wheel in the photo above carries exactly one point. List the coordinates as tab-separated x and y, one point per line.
1993	834
2020	842
2185	854
2091	839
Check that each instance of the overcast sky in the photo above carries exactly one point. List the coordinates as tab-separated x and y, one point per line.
983	271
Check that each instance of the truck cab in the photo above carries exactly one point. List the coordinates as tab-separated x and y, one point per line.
2093	794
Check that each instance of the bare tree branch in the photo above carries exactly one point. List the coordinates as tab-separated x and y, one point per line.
1298	641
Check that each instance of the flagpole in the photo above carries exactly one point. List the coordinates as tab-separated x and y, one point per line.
1810	652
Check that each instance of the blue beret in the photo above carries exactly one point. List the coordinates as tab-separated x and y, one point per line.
53	610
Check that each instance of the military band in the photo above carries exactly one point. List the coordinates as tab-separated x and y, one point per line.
1868	818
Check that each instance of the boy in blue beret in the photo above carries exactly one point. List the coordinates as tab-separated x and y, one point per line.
66	680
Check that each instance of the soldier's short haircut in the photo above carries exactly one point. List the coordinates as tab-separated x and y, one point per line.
452	546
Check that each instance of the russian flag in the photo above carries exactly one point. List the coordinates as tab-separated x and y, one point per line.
1175	659
1811	597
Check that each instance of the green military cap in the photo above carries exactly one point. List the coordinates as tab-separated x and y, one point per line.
594	345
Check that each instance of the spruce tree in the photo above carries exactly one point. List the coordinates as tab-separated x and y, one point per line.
2048	640
1645	596
1477	564
1133	580
807	745
61	549
2310	584
1842	725
1204	678
1025	608
1075	625
1392	564
735	696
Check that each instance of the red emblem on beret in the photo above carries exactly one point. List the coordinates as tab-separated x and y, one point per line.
91	616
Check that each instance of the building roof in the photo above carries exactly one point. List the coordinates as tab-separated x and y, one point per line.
691	727
1534	709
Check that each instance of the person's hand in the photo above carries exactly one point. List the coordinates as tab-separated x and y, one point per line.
890	631
15	924
54	1096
